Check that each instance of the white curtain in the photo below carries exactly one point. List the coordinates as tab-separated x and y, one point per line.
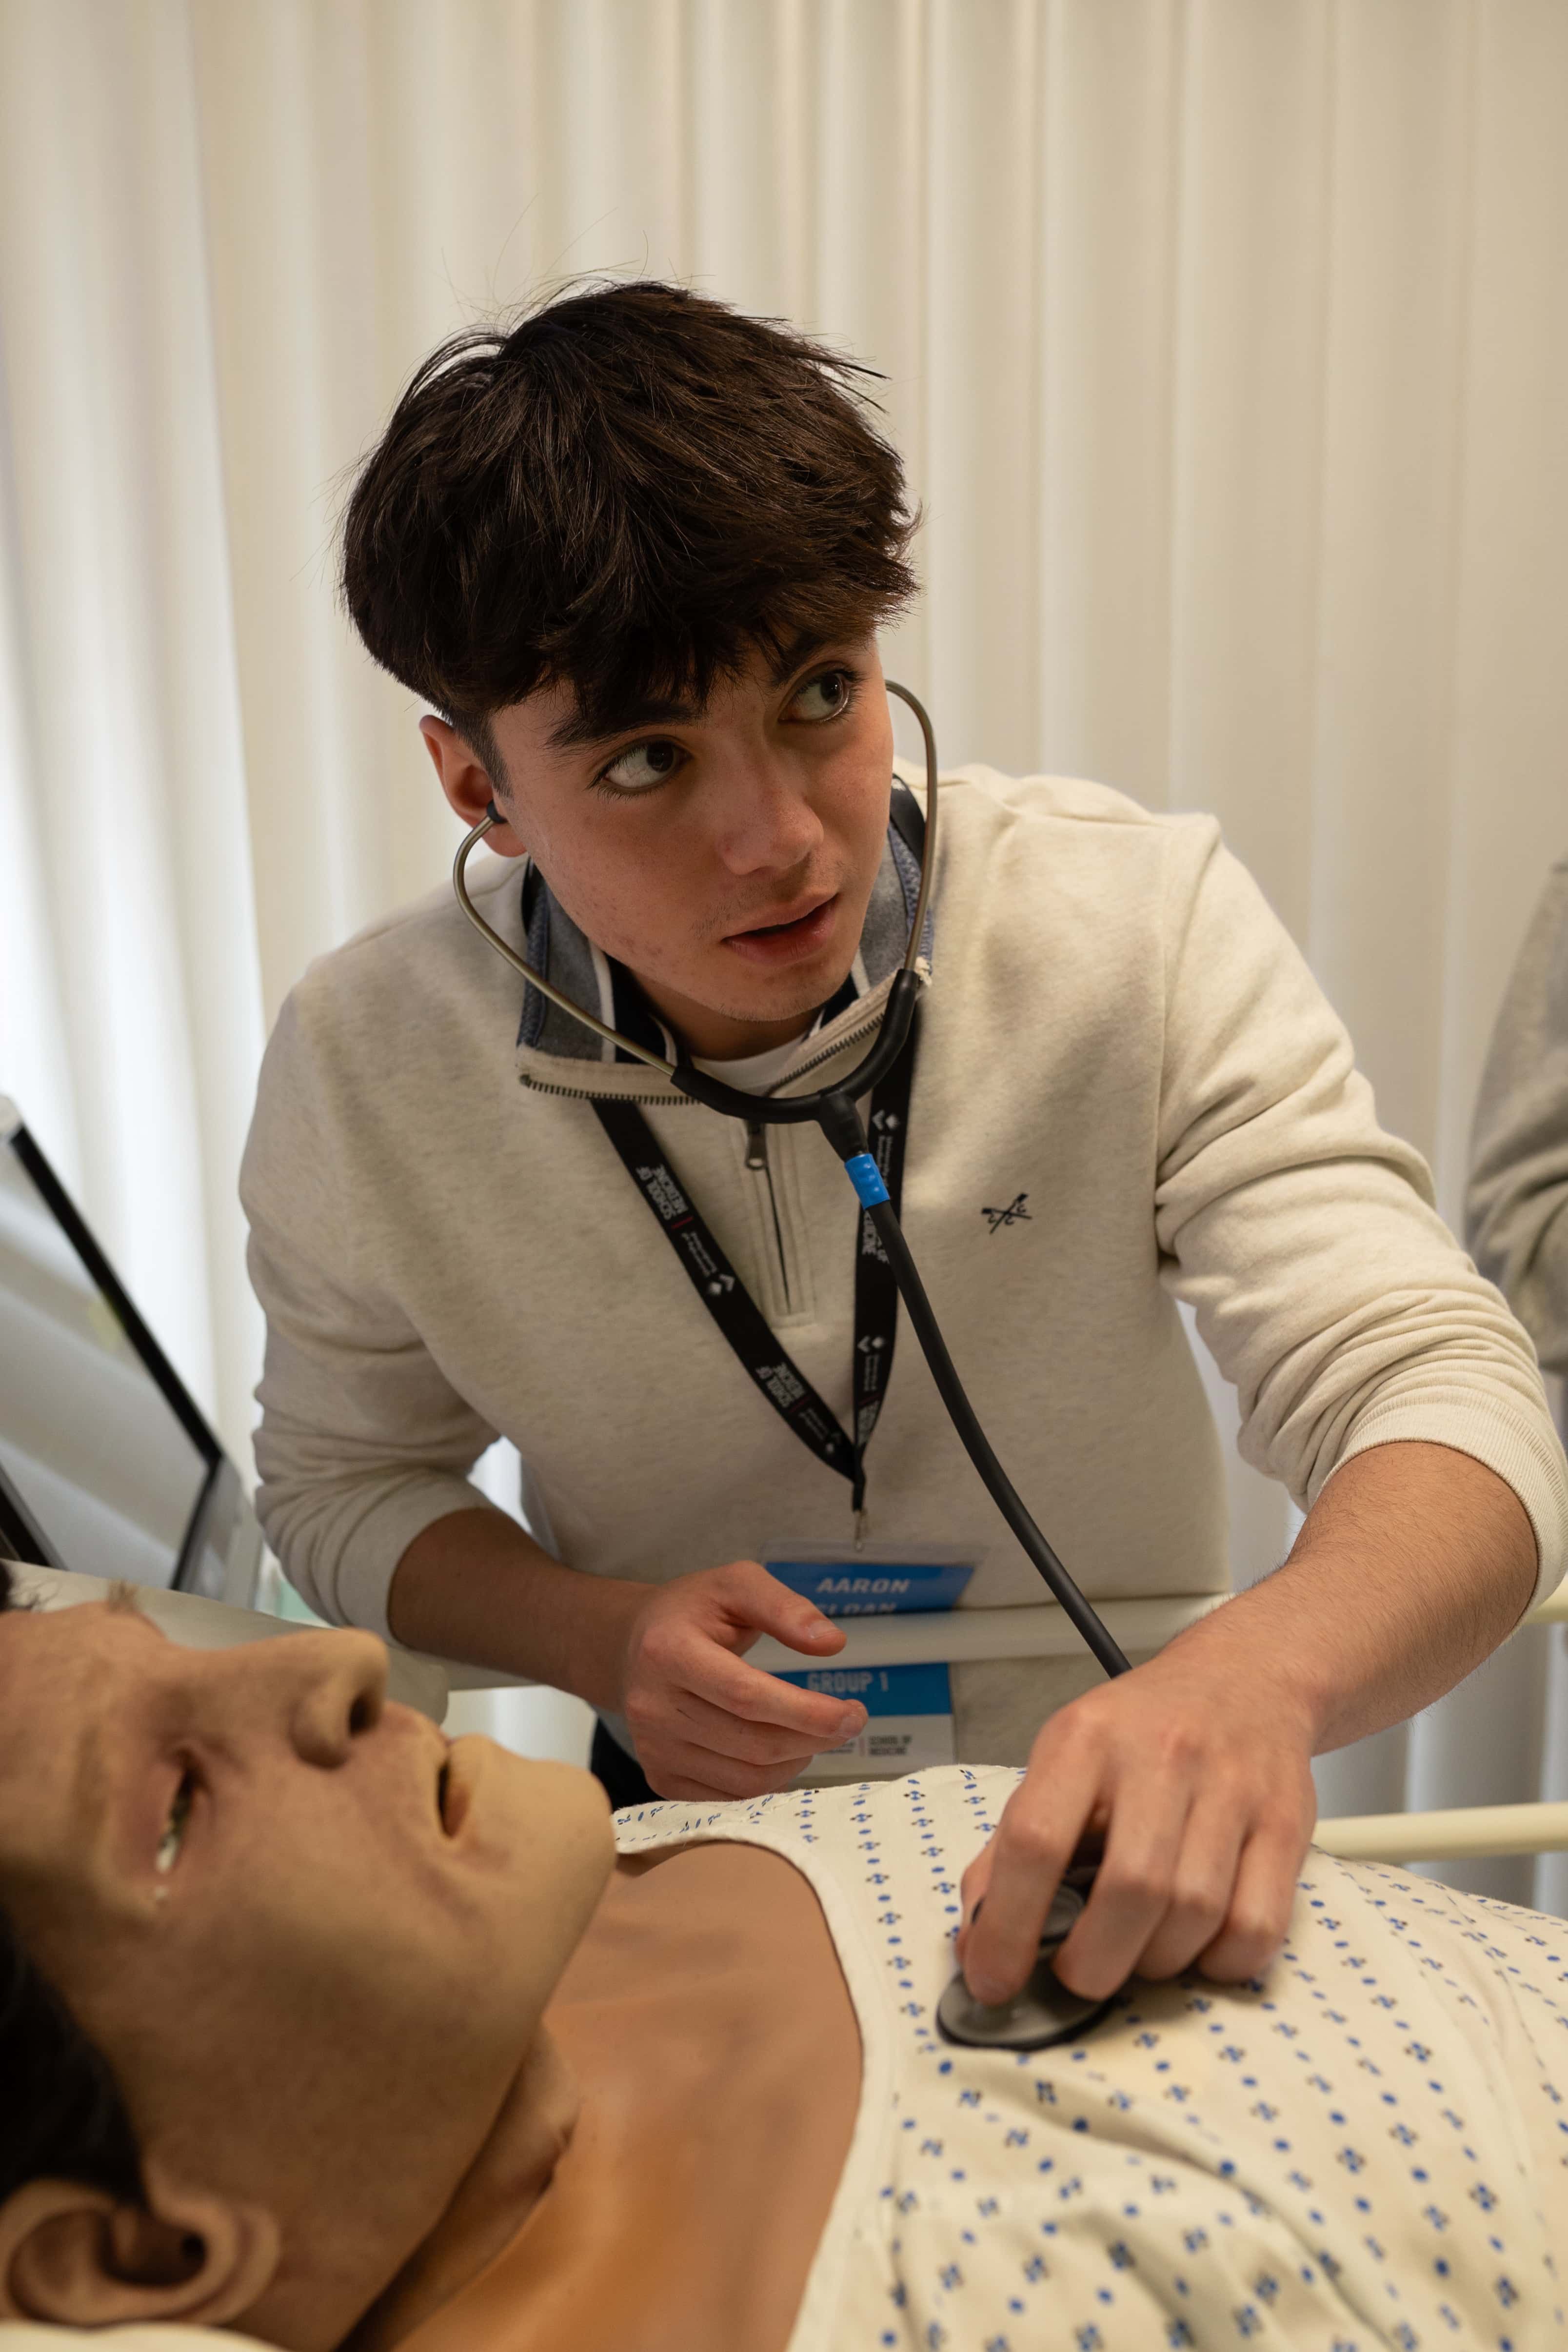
1225	342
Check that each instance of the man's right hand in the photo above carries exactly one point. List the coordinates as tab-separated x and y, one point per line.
705	1723
668	1657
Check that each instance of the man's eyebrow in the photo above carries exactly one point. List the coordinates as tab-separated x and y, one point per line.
798	651
581	728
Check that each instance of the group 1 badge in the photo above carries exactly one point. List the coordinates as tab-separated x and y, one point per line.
908	1709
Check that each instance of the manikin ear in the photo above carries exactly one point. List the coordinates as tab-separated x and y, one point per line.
79	2257
468	784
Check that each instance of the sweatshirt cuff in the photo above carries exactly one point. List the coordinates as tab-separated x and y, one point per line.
355	1590
1524	1451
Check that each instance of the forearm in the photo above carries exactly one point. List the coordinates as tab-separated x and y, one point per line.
1413	1564
475	1586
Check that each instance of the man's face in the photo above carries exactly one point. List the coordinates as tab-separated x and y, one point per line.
725	855
296	1921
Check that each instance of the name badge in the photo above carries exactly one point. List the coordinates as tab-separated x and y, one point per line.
908	1709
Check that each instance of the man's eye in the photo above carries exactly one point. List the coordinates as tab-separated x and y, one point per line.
827	697
641	766
173	1835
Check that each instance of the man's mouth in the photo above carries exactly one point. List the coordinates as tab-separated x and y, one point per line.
799	931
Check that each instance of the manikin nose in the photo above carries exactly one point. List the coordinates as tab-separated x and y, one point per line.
337	1690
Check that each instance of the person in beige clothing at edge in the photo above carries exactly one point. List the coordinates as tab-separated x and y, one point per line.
1516	1210
635	553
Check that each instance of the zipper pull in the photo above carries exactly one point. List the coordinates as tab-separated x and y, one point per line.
756	1144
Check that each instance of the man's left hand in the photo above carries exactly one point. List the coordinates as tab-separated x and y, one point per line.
1198	1780
1413	1563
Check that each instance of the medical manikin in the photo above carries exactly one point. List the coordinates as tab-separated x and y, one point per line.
384	2045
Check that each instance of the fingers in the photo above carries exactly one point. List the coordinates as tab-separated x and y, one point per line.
1160	1893
1219	1894
716	1725
1033	1844
706	1726
972	1888
759	1604
701	1670
681	1768
680	1656
1258	1917
1206	1806
1201	1878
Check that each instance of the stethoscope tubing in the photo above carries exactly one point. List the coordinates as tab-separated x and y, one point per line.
966	1422
832	1109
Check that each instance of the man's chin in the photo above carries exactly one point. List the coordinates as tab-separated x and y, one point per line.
768	1012
764	998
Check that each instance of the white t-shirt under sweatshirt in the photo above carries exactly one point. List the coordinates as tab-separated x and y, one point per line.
1118	1041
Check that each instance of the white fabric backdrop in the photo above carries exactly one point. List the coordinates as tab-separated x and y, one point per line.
1226	344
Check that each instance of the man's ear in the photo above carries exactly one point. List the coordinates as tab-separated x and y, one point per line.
467	783
79	2257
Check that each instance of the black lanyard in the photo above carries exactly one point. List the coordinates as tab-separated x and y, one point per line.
731	1305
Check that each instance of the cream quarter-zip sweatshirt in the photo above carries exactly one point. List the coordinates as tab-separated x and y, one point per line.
1118	1041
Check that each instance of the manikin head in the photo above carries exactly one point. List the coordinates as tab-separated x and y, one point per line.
291	1931
635	553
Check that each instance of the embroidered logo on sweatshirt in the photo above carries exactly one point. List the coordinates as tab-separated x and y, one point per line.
1014	1213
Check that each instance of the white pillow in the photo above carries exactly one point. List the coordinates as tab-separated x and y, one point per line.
25	2335
194	1622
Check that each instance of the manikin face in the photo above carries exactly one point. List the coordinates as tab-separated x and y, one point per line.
725	855
301	1927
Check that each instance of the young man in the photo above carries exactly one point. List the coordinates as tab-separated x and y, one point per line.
520	2094
635	555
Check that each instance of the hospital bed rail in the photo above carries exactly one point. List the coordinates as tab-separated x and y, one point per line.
1039	1631
1043	1630
1462	1834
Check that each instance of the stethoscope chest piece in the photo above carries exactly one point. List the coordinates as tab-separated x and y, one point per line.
1042	2012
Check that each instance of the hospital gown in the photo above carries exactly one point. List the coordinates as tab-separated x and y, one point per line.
1367	2149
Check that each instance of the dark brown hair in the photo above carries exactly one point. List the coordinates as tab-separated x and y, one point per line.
629	491
63	2116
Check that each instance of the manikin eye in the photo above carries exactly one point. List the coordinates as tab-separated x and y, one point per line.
169	1845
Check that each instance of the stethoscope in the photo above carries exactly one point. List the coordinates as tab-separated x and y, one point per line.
1046	2011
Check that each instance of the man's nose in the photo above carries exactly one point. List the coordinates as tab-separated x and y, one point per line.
328	1687
765	822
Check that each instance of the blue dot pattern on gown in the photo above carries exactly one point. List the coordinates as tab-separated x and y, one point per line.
1368	2149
